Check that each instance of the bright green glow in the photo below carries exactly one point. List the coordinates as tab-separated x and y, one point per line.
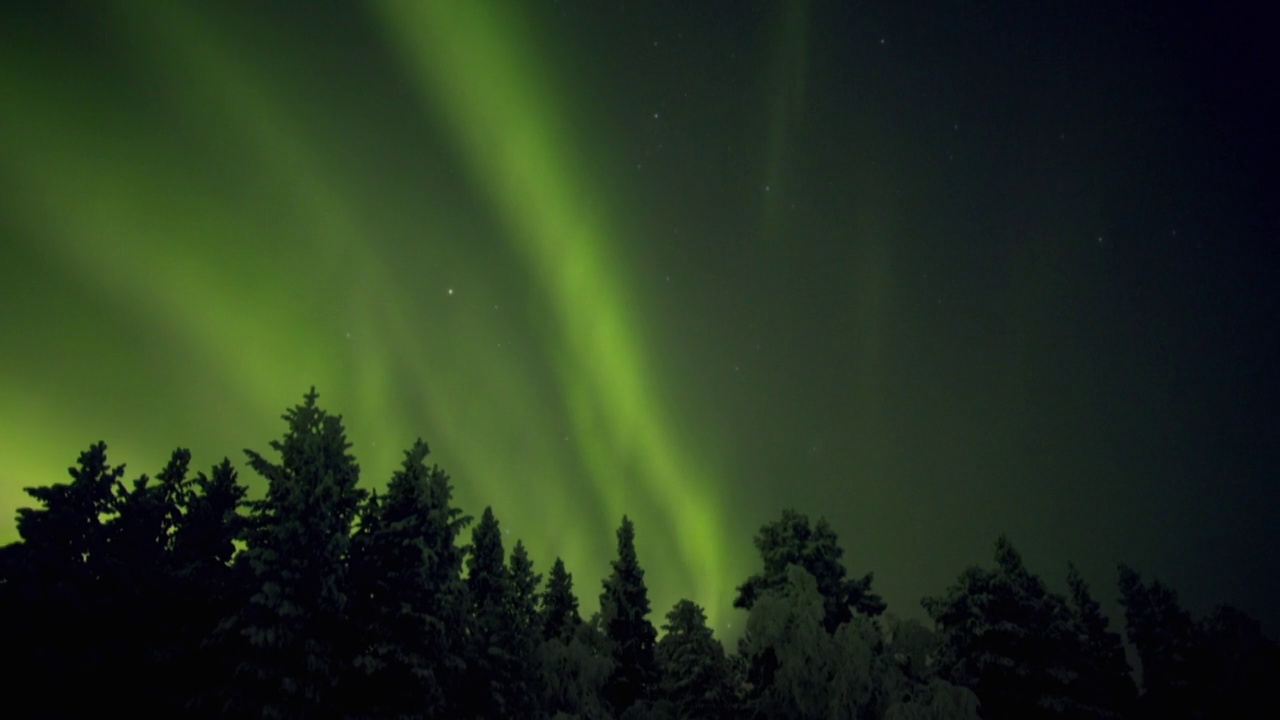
221	253
476	65
261	305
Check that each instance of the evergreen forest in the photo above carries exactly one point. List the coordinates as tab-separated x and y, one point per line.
178	596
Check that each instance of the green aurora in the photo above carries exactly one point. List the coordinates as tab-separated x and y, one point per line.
606	259
222	236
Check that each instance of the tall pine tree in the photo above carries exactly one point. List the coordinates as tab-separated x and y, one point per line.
1102	685
489	589
295	621
1163	634
695	673
408	598
140	589
624	613
522	635
213	584
560	618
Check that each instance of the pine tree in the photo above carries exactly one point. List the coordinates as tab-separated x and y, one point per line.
139	539
523	634
560	618
139	590
1103	685
408	598
212	587
295	621
64	535
1163	634
624	611
695	673
1007	638
51	585
791	540
489	589
574	671
204	541
1237	665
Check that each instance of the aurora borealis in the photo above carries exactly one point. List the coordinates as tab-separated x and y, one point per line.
932	273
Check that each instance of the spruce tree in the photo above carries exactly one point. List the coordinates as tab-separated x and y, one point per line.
63	536
213	587
695	673
408	598
295	621
1102	684
560	618
1163	634
54	617
523	634
140	589
489	589
624	612
204	541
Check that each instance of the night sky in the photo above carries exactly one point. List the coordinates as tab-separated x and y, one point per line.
934	271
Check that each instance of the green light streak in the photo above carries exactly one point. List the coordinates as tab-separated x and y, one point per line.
137	217
477	67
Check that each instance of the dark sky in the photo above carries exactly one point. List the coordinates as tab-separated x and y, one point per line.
934	271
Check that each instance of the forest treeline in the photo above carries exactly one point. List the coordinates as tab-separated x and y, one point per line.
176	596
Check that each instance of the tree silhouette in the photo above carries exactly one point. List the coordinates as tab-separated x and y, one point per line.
408	599
1006	637
1103	686
574	672
64	535
212	586
624	615
695	673
204	541
560	618
1162	633
791	541
495	686
907	685
295	620
56	625
141	588
522	634
1238	666
1221	666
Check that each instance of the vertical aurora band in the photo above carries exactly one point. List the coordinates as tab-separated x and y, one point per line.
477	67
